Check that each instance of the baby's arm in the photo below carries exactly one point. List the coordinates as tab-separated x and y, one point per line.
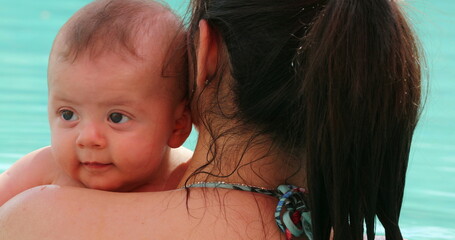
34	169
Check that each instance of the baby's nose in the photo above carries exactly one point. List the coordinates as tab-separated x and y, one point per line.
91	136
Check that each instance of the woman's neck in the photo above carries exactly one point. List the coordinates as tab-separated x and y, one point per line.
237	160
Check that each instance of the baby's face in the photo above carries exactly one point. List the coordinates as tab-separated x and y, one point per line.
111	120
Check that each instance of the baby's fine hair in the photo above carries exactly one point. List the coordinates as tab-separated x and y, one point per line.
115	26
118	26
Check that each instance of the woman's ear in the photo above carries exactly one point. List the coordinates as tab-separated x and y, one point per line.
207	53
182	126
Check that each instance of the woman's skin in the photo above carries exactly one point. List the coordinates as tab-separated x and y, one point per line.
51	212
76	213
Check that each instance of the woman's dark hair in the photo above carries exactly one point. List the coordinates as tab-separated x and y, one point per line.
335	83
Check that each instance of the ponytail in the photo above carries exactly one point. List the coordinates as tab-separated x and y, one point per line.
334	84
361	95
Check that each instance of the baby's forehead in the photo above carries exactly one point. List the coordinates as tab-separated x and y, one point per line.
158	76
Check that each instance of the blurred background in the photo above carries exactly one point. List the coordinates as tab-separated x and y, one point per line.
28	27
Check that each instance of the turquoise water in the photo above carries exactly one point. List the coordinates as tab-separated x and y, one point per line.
27	28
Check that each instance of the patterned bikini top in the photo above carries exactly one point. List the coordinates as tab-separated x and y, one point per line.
292	214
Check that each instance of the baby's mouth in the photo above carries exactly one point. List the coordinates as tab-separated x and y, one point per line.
96	165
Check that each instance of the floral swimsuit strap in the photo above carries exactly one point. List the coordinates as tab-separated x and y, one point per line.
292	214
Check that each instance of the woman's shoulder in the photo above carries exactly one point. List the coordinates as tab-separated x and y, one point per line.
24	210
51	212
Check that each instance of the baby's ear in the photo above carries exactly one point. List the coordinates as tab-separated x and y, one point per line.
182	126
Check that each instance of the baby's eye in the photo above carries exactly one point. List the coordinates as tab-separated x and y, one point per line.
68	115
118	118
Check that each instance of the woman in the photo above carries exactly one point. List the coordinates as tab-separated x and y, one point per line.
323	95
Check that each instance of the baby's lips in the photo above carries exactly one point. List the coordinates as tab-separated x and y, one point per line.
96	164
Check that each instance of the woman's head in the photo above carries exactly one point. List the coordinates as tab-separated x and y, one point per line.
257	45
335	84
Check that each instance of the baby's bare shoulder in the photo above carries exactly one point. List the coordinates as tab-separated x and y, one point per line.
180	155
33	169
40	157
179	159
177	165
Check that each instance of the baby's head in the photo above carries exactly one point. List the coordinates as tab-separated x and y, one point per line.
117	93
133	30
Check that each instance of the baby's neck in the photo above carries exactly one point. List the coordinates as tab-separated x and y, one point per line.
170	173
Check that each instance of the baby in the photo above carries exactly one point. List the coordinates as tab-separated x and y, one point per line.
117	103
